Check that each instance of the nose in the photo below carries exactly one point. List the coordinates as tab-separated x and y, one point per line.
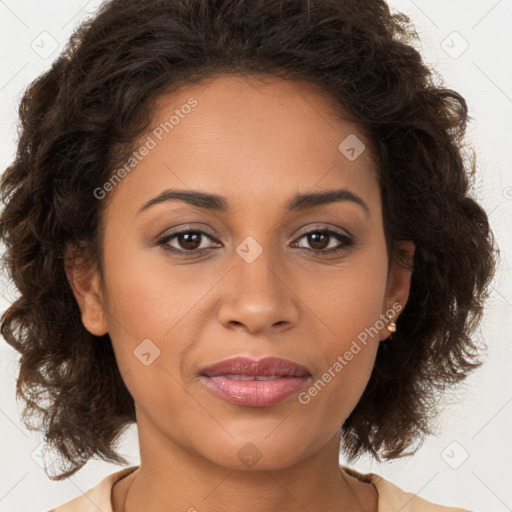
258	296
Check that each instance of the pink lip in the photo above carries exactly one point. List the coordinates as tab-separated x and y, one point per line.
291	378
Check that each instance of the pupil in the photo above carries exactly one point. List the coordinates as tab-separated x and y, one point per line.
314	243
189	243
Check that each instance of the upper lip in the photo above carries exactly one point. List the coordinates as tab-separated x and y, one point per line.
268	366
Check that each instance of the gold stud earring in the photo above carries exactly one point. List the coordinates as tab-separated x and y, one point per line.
392	326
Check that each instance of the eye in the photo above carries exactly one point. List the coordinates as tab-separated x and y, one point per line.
189	241
319	240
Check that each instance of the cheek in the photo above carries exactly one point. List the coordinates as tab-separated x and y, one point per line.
346	305
147	296
157	388
148	299
348	299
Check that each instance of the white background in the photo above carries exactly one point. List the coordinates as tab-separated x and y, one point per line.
478	417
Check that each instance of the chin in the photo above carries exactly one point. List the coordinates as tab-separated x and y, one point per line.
260	452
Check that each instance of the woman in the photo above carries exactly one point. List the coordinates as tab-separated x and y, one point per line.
245	226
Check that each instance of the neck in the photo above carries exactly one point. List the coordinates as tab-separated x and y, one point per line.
178	479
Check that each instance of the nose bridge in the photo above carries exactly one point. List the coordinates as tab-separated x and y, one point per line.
257	266
257	295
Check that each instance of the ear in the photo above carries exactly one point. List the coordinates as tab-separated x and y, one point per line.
398	286
85	284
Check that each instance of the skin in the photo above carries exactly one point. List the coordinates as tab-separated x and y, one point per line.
281	138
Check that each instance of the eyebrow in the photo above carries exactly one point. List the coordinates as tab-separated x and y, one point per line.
218	203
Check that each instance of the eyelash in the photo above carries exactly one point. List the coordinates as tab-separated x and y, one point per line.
347	242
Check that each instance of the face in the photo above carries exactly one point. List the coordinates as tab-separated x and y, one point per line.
188	285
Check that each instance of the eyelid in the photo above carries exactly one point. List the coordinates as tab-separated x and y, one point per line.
326	227
185	228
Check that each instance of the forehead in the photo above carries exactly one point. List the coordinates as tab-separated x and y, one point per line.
248	137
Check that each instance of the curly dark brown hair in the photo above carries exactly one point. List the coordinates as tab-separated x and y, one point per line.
82	117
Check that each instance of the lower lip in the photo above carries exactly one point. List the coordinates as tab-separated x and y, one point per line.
255	393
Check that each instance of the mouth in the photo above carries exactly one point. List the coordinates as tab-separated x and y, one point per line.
247	382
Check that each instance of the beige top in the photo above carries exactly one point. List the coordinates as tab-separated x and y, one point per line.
391	497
